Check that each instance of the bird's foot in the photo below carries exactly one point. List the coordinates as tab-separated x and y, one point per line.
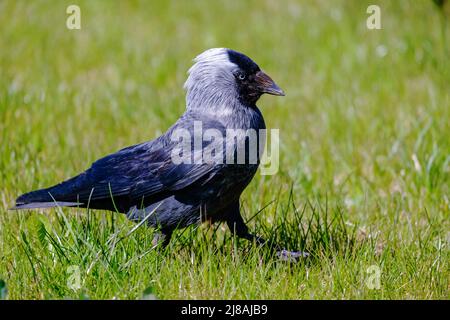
291	256
161	239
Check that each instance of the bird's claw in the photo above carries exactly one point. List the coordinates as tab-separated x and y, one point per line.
291	256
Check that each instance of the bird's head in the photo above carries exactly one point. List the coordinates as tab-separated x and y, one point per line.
222	76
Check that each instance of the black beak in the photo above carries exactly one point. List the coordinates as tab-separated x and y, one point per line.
267	85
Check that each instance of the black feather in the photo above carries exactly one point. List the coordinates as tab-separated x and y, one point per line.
243	62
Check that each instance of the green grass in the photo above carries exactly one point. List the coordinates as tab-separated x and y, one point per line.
365	152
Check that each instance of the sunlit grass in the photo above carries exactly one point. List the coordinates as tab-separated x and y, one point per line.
365	153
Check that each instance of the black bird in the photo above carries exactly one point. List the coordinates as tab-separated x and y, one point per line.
145	182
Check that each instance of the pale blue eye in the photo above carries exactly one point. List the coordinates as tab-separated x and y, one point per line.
241	76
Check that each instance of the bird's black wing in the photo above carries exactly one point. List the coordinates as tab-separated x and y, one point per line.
137	175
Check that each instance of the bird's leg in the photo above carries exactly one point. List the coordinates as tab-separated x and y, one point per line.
162	238
238	227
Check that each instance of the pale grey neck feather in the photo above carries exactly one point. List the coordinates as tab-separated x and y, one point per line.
211	84
211	90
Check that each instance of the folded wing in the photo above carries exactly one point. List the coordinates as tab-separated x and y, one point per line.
138	175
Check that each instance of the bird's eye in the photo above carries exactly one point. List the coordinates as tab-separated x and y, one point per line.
241	76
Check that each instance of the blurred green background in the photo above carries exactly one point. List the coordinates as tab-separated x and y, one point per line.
364	128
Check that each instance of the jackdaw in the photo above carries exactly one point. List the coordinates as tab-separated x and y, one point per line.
147	180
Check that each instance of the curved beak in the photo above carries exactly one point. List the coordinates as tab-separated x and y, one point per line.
267	85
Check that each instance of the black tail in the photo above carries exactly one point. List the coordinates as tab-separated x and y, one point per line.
42	198
88	189
44	205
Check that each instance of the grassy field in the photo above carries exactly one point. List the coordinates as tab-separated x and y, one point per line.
363	183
